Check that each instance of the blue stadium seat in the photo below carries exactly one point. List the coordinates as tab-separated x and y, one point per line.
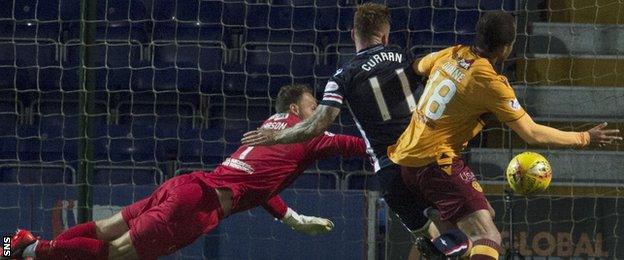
6	9
71	55
8	148
257	16
213	153
49	79
302	18
123	55
190	151
329	164
467	20
70	80
25	10
215	82
211	57
142	79
26	78
284	59
116	78
400	19
164	30
337	55
6	28
163	9
7	53
232	13
7	78
361	181
164	55
355	164
420	19
70	10
508	5
207	12
26	54
8	117
135	150
125	175
187	10
165	79
327	18
183	80
139	10
117	9
120	195
25	30
32	174
280	17
312	180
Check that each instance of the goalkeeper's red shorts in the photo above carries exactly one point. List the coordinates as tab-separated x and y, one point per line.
456	194
176	214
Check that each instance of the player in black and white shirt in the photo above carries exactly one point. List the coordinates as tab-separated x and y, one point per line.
380	88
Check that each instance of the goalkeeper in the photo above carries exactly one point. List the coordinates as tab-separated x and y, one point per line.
187	206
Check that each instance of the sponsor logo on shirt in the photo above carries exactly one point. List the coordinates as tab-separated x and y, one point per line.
238	165
467	176
465	64
514	104
477	186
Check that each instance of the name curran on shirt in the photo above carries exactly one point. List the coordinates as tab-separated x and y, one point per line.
381	57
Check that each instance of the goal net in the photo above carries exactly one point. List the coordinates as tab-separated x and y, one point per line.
101	101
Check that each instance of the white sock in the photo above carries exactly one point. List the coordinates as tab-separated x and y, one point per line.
30	250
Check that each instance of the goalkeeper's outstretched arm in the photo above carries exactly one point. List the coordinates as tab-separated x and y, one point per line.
534	133
307	129
309	225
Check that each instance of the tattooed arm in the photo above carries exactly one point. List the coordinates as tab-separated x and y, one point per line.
315	125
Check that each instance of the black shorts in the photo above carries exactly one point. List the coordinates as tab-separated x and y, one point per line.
399	198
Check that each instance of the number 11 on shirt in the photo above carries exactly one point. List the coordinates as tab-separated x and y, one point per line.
381	102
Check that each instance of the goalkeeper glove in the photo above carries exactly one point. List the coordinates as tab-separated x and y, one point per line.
311	226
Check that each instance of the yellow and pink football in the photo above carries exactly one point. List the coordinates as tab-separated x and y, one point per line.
529	173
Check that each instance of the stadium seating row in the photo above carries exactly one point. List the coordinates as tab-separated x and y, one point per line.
277	14
120	176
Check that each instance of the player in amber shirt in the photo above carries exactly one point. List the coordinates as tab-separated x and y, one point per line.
462	86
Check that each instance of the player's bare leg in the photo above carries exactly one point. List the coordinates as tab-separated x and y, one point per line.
480	228
111	228
122	248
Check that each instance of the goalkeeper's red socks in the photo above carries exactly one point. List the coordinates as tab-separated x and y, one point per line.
86	229
484	249
75	248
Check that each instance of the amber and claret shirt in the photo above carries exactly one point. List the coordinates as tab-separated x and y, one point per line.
461	87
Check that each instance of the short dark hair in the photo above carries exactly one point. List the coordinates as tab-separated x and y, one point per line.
290	94
495	30
370	19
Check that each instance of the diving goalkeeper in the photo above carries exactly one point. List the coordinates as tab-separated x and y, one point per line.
187	206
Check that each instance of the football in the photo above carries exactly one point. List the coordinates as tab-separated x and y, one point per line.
528	173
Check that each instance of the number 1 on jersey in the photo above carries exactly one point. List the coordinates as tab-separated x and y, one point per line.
246	152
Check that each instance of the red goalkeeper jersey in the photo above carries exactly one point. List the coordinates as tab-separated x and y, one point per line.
257	173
